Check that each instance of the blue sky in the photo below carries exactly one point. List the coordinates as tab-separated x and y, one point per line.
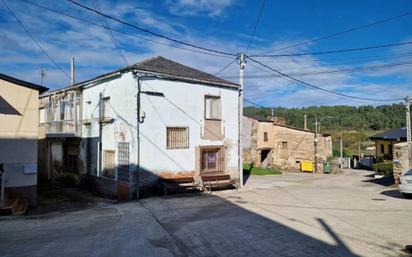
225	25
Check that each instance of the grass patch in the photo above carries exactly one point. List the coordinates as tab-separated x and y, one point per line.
247	168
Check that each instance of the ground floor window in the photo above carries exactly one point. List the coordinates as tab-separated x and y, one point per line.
212	159
109	167
177	137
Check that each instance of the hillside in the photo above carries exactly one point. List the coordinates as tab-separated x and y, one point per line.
348	118
353	124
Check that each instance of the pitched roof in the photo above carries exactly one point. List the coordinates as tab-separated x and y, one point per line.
256	117
165	66
23	83
396	134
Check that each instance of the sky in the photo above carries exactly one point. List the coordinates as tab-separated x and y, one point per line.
224	25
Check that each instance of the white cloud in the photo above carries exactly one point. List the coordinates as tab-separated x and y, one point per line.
95	54
199	7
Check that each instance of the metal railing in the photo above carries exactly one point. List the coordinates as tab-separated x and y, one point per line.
66	127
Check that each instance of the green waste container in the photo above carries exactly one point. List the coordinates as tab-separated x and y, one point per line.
326	167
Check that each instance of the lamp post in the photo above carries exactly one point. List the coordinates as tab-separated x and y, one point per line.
317	127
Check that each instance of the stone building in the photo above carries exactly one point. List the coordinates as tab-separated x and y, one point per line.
402	159
270	144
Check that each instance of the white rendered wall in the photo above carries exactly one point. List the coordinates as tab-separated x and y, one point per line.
161	112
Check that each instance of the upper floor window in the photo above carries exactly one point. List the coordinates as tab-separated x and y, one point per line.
212	108
265	136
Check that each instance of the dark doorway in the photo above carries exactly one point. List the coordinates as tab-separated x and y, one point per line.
265	158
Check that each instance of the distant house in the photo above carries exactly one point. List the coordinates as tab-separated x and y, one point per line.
385	141
267	143
18	139
124	130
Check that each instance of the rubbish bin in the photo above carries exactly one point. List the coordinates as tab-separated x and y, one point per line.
326	167
306	166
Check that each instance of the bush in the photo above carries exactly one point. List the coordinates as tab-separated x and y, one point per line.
383	168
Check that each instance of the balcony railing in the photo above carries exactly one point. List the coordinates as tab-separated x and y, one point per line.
69	128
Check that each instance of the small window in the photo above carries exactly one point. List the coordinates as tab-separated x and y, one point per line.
177	138
212	108
382	148
265	136
284	145
390	149
109	163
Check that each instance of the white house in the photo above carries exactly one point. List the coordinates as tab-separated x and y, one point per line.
125	129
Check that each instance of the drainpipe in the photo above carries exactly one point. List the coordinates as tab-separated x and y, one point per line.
138	133
101	113
3	178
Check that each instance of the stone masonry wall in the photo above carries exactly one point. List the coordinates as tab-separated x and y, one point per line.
401	159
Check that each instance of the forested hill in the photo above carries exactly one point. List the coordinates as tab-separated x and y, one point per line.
344	117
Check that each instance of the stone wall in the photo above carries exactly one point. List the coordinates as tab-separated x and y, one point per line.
401	159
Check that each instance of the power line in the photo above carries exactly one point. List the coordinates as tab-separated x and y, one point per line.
340	33
113	39
151	32
254	103
225	67
334	51
123	32
321	72
256	24
319	88
33	39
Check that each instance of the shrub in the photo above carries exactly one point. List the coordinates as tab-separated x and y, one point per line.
383	168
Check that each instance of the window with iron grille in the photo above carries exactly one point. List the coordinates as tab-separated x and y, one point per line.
212	160
177	138
109	163
123	162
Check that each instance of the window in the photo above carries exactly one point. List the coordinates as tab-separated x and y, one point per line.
212	108
109	163
265	136
177	138
212	160
390	149
382	148
123	162
284	145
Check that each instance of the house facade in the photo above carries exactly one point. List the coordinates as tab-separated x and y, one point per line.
270	144
124	130
19	120
385	141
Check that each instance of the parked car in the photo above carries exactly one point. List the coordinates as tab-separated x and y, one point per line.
405	187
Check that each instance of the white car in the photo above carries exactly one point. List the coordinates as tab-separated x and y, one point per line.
405	187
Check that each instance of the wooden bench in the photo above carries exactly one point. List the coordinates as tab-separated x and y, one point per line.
216	181
179	183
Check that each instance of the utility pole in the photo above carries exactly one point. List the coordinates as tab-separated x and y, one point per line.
42	75
341	153
408	119
316	144
72	81
242	63
304	122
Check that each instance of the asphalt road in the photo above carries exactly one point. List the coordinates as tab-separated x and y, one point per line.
346	214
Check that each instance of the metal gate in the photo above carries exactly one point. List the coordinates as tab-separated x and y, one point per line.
123	174
212	160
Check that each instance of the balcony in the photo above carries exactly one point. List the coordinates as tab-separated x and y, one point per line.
63	128
60	114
